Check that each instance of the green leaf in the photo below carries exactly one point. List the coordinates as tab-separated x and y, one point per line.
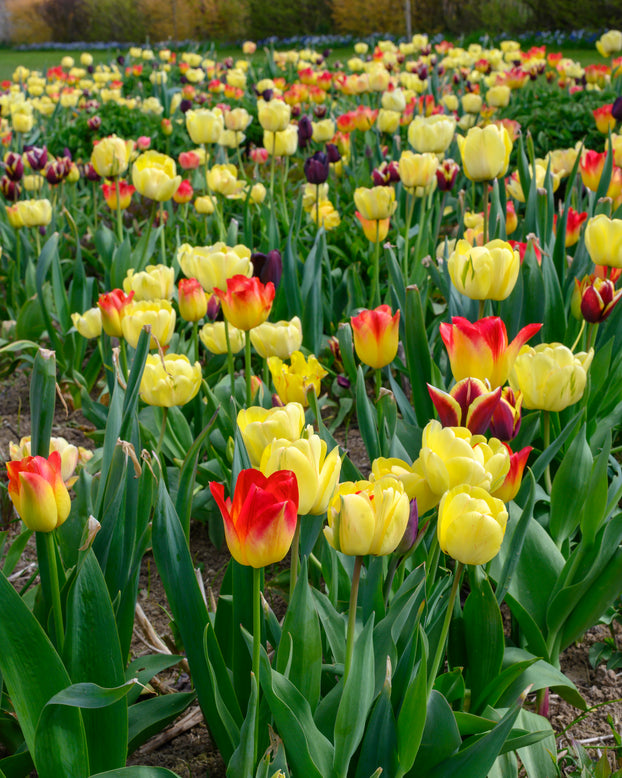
595	507
539	758
418	359
440	738
187	475
334	625
243	760
92	653
379	746
302	623
190	613
138	772
356	700
412	716
149	717
42	401
538	675
143	668
311	292
570	487
366	416
483	631
309	752
516	542
24	650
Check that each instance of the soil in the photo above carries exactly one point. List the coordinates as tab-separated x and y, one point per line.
190	753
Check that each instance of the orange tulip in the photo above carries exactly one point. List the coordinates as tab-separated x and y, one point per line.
247	302
261	520
510	486
376	335
38	492
192	300
112	306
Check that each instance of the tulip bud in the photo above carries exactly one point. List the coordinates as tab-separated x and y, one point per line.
268	267
305	132
316	168
192	300
38	492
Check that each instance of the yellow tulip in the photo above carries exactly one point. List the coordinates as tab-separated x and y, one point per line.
550	376
485	152
214	338
471	103
111	156
273	115
278	339
498	96
154	176
388	121
158	314
34	213
323	130
432	134
417	170
603	240
293	381
204	125
260	426
155	282
368	517
412	478
213	265
89	323
471	525
283	143
316	472
169	381
486	272
376	203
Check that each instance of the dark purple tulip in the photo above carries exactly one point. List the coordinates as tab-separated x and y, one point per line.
616	109
305	132
213	308
9	189
333	153
14	166
317	168
37	157
268	267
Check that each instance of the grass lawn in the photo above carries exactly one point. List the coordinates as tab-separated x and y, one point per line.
41	60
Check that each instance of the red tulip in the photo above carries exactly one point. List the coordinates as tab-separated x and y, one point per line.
376	335
111	306
469	404
261	520
247	302
509	488
38	492
481	350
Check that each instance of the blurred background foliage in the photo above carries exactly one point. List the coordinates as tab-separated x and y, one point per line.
64	21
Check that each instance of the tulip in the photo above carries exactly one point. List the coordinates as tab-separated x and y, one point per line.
294	381
112	307
260	426
574	222
169	380
603	240
506	417
111	156
481	350
125	195
388	121
213	265
205	205
273	115
184	193
316	168
158	314
412	479
278	339
189	160
283	143
316	472
469	404
325	215
70	456
37	491
268	267
417	170
223	179
89	323
472	104
498	96
261	520
605	122
446	175
432	134
368	517
204	126
323	131
509	488
246	302
376	336
375	204
485	152
550	376
34	213
471	524
451	456
154	176
487	272
155	282
214	338
591	168
192	300
609	43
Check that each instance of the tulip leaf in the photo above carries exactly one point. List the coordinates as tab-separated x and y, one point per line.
311	292
17	765
484	639
554	326
138	772
190	613
92	653
547	456
477	756
242	762
289	288
538	675
302	624
418	359
497	685
412	716
356	700
308	751
346	348
516	542
149	717
46	258
144	668
441	737
366	417
594	511
379	746
570	487
187	476
334	624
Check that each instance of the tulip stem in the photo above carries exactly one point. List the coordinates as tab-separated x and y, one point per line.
440	646
374	299
481	310
162	431
410	205
378	377
247	367
546	434
272	164
50	548
294	559
119	211
485	212
163	237
256	648
149	227
354	591
229	359
591	335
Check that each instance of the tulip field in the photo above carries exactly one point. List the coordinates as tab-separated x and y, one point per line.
236	268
